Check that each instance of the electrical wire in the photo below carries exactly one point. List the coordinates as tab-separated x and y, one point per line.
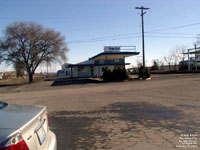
105	37
169	37
119	37
170	33
131	37
175	27
89	41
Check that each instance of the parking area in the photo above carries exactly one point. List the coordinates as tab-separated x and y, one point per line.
162	113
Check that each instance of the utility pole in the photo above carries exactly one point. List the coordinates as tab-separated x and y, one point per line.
195	48
142	14
188	60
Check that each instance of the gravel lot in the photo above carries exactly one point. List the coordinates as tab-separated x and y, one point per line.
159	114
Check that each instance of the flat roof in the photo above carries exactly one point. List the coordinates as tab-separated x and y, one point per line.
113	55
116	64
193	52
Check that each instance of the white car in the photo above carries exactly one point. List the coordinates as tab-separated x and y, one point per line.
25	128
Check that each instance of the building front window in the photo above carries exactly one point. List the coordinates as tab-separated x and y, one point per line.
96	62
80	68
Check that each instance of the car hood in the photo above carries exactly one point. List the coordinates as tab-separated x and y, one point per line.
13	117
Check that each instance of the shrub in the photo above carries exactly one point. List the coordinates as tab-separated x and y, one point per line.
115	75
144	73
5	77
183	66
107	75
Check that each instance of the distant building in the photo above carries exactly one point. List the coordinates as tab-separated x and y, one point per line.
193	61
112	58
1	75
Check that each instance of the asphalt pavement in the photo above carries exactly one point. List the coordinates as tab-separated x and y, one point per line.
159	114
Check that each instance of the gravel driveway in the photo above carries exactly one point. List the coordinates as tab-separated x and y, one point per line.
160	114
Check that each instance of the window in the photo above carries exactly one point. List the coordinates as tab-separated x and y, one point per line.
80	68
96	62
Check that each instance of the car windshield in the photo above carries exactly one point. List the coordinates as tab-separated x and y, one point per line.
2	105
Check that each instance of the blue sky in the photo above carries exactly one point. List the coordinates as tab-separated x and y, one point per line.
109	20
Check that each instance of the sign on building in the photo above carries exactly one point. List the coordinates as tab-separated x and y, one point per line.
112	48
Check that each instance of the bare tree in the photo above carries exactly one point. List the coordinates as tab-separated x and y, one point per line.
155	65
30	44
139	63
48	62
177	54
0	53
19	69
168	59
197	40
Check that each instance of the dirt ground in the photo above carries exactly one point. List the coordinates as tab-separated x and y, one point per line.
159	114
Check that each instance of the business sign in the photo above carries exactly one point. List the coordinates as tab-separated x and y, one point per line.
112	48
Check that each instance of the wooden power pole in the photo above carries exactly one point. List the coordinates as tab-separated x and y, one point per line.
142	14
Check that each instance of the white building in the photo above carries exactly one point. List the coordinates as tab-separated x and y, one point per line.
112	58
195	60
1	75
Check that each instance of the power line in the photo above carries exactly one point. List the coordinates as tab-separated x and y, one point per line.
104	37
170	36
130	37
121	35
170	33
89	41
176	27
156	36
